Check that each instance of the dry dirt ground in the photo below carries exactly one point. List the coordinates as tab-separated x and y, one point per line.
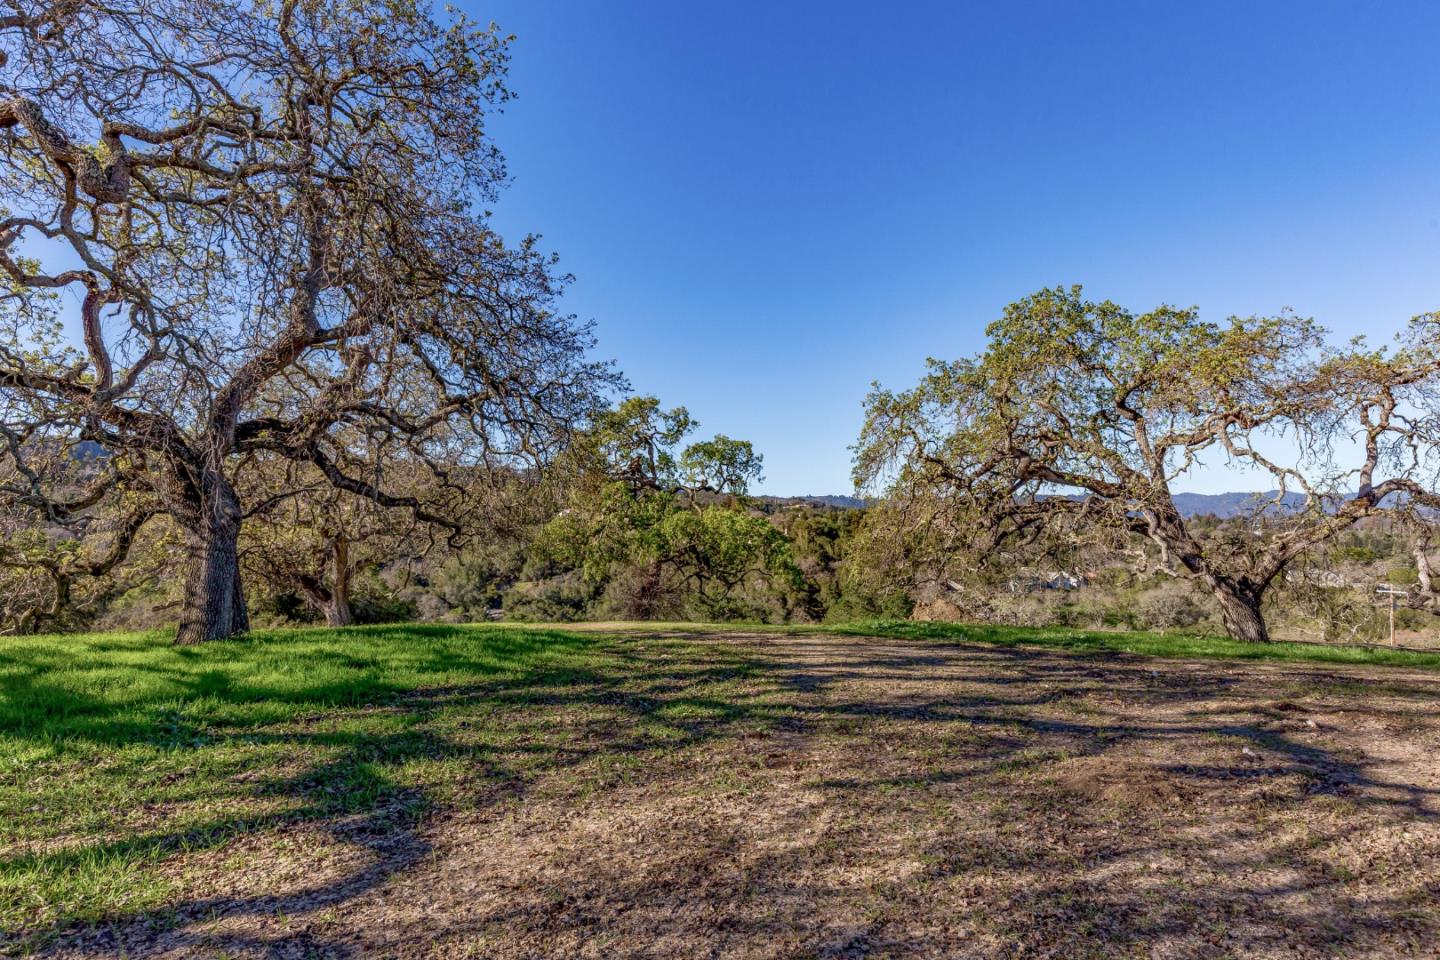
882	798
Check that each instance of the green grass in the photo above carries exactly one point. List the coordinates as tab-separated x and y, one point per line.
120	751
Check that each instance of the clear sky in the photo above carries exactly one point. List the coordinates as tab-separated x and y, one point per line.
769	205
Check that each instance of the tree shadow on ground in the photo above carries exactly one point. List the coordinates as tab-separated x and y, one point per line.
987	766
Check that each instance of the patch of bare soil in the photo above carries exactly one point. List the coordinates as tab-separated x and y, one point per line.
877	798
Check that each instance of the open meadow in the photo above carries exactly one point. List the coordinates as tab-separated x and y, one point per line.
647	791
747	481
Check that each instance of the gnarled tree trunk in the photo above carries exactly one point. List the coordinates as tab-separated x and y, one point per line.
1239	597
337	605
332	599
337	612
1240	607
214	602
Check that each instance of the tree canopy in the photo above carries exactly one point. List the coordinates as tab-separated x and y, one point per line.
663	527
273	220
1079	417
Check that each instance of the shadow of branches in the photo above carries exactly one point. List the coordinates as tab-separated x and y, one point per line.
822	797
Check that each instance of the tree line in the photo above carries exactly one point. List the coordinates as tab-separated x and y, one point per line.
263	353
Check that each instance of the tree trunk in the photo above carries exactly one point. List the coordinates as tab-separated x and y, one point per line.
1241	609
333	598
337	612
337	605
214	603
1239	597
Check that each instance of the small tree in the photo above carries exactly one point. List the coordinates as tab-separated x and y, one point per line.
672	520
315	543
1080	416
313	540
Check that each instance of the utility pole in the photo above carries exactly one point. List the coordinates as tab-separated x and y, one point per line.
1392	593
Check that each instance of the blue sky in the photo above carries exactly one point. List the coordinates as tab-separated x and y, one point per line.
769	205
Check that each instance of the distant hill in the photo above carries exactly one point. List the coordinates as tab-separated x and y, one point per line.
1223	505
89	450
828	500
838	500
1233	504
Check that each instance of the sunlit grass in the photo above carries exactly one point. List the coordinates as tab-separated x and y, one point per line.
120	752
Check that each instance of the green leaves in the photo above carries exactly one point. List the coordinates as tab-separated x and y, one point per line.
666	526
636	441
722	465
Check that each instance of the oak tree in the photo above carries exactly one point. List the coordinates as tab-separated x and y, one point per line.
665	525
1080	417
271	217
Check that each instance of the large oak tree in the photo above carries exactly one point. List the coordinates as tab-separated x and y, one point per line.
1081	417
269	217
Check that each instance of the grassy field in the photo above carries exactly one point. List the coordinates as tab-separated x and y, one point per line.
1144	643
1148	644
596	791
120	751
